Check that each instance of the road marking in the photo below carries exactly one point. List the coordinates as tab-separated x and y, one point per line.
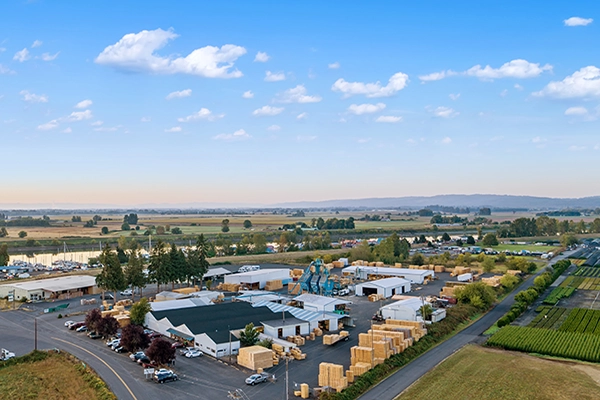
104	362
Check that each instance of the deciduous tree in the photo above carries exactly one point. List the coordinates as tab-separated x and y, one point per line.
133	338
138	311
161	352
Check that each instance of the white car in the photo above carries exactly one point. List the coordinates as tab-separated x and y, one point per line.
186	350
194	353
6	355
126	292
114	342
69	323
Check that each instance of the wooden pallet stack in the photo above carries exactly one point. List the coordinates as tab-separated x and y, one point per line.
318	332
274	285
439	268
297	354
332	375
333	338
493	281
255	357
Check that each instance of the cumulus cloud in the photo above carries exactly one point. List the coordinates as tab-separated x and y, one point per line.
334	65
97	123
5	70
453	96
83	104
261	57
436	76
444	112
179	94
230	137
576	111
49	57
274	76
267	111
578	21
48	125
68	130
359	109
297	95
22	55
204	113
513	69
33	98
397	82
583	83
274	128
145	119
446	140
73	117
302	116
36	43
248	94
80	115
388	118
137	52
173	129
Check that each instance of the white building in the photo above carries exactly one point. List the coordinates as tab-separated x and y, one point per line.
65	287
315	319
282	328
258	279
314	302
216	273
417	276
387	287
177	304
405	310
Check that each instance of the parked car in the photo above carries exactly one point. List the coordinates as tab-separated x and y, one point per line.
69	323
177	345
94	335
120	349
113	342
341	292
76	325
194	353
162	376
126	292
257	378
185	350
137	356
143	359
6	355
82	328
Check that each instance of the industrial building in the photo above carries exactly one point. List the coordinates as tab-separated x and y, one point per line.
216	273
314	302
326	320
415	276
405	310
65	287
254	280
386	288
282	328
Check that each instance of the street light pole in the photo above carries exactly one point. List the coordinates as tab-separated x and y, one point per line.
287	391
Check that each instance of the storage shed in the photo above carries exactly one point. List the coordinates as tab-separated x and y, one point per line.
314	302
258	279
417	276
405	310
387	287
282	328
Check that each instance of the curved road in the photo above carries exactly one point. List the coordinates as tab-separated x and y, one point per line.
396	383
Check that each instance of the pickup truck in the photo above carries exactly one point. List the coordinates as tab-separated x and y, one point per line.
257	378
6	355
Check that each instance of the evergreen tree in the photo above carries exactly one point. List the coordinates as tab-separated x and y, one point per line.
134	272
111	278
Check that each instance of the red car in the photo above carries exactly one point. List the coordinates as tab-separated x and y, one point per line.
76	326
177	345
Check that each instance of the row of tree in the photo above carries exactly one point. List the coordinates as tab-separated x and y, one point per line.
546	226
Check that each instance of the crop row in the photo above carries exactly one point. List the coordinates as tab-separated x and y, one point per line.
580	282
580	346
549	318
557	294
582	321
588	272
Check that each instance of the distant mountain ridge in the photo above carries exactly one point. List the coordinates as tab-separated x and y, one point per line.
455	200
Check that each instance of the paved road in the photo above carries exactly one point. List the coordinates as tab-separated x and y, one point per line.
391	387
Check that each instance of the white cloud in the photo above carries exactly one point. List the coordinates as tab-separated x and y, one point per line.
179	94
504	93
444	112
111	129
302	116
305	138
388	118
261	57
137	52
411	141
267	111
576	148
230	137
436	76
334	65
49	57
363	140
538	139
446	140
204	113
298	95
248	94
576	111
173	129
22	55
274	128
454	96
33	98
5	70
83	104
97	123
513	69
583	83
578	21
36	43
48	125
396	83
145	119
80	115
68	130
359	109
274	76
518	87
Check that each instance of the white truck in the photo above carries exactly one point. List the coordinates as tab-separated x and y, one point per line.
248	268
6	355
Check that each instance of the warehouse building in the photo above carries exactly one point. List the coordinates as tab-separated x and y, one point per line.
405	310
282	328
327	320
415	276
387	287
254	280
314	302
65	287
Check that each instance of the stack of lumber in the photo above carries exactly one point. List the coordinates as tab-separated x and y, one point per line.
447	291
318	332
397	265
439	268
297	354
514	272
123	320
229	287
297	340
361	354
372	264
85	302
186	290
331	339
360	368
255	357
338	264
358	262
350	376
294	289
332	375
274	285
379	264
375	297
304	391
329	266
460	270
493	281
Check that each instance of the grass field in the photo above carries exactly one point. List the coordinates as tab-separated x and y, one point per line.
479	373
519	247
50	376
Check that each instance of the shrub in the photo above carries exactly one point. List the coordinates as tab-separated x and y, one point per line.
59	316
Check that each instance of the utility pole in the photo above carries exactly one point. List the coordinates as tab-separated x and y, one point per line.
287	391
229	329
35	337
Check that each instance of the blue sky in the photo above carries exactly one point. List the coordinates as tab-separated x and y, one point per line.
266	102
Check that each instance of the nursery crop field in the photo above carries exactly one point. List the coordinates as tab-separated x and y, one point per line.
550	318
588	272
579	320
559	293
579	282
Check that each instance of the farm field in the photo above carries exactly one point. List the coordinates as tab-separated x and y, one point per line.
485	374
588	272
559	293
519	247
582	283
550	318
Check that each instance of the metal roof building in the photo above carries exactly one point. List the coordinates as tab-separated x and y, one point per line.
64	287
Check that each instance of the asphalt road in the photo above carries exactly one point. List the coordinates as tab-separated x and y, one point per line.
395	384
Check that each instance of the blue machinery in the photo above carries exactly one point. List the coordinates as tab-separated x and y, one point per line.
316	279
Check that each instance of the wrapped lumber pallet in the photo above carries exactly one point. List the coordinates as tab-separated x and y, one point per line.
304	391
398	265
255	357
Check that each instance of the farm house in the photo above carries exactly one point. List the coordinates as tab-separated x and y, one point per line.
417	276
254	280
387	287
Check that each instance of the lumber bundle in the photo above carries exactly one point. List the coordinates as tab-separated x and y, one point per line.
123	303
460	270
123	320
186	290
379	264
304	391
229	287
274	285
331	339
375	297
447	291
297	340
255	357
297	354
332	375
318	332
294	289
338	264
493	281
439	268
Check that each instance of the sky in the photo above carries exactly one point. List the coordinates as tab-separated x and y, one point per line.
262	102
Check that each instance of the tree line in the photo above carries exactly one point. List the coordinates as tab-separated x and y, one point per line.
546	226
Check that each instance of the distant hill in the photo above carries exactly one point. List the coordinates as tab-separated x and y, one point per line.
455	200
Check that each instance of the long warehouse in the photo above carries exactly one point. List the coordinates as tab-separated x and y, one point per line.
417	276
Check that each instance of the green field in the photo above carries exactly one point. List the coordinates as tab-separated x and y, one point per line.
519	247
486	374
